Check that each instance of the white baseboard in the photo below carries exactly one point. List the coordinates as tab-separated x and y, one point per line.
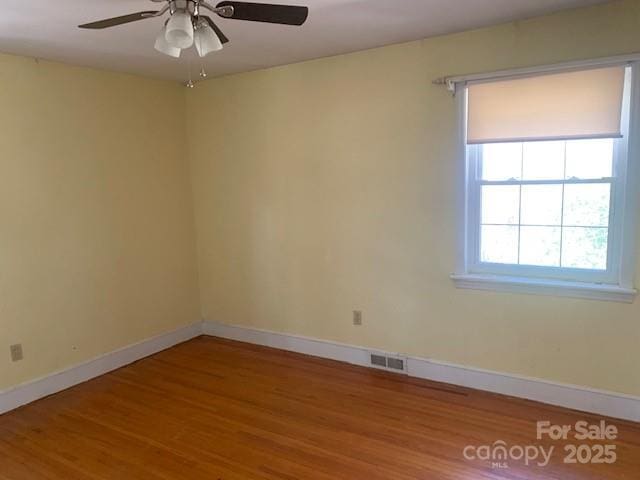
293	343
28	392
601	402
586	399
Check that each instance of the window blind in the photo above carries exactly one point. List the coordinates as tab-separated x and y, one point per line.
568	105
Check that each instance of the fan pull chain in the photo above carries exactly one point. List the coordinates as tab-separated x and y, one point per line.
190	82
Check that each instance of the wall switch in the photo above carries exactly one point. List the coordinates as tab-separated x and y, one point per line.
357	317
16	352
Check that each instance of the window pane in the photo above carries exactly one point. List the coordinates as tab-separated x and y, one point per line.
540	246
501	161
586	204
541	204
543	160
500	204
499	244
584	247
589	158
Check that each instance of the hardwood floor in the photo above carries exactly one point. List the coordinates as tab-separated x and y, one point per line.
217	409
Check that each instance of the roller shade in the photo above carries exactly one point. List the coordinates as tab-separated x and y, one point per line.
583	104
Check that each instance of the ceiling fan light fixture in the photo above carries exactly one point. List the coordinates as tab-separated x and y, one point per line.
163	46
179	30
206	40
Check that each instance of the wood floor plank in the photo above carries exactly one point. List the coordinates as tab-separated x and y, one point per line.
218	409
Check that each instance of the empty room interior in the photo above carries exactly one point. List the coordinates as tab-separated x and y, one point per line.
319	240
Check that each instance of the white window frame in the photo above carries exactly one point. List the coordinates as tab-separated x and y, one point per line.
616	283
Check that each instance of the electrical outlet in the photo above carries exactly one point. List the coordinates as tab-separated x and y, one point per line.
357	317
16	352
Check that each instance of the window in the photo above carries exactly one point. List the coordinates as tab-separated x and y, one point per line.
545	204
548	208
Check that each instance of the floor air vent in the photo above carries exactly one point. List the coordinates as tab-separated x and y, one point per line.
395	363
378	360
386	362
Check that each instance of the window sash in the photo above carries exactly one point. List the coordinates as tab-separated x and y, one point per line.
568	181
475	265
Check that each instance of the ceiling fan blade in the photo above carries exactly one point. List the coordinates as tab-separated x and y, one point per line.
265	12
112	22
223	38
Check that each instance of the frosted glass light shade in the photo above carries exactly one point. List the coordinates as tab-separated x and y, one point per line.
180	30
163	46
206	41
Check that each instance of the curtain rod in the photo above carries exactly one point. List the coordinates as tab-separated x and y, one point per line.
452	80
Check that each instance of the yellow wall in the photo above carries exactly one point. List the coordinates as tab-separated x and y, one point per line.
328	186
97	249
319	188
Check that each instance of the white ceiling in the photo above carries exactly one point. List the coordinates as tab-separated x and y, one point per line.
48	29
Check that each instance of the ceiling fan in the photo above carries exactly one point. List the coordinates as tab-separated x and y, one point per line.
187	27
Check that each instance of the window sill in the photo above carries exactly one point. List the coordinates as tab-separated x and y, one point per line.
557	288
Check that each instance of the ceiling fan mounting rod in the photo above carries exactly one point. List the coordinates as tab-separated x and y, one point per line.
191	6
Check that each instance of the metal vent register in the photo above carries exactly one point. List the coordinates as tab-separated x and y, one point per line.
379	360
